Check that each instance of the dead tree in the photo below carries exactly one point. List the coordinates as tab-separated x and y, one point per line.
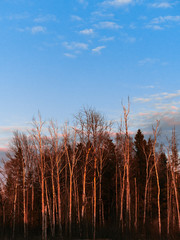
155	132
38	143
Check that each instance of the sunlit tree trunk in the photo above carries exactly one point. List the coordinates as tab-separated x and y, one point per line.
53	130
175	191
48	207
14	210
168	202
148	176
84	185
122	198
157	177
136	203
100	188
127	160
116	191
71	161
37	134
94	198
24	198
32	204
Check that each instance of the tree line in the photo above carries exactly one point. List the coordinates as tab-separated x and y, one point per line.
87	182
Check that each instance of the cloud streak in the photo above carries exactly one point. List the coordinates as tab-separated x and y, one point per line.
148	61
38	29
108	25
46	18
89	31
159	97
75	45
165	19
162	5
69	55
165	107
98	49
117	3
76	18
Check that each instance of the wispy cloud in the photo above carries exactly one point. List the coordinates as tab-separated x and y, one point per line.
33	30
117	3
165	19
166	95
168	119
83	2
98	49
89	31
75	45
142	100
38	29
76	18
102	14
107	39
162	5
46	18
154	27
159	97
148	87
108	25
20	16
162	22
162	106
69	55
148	61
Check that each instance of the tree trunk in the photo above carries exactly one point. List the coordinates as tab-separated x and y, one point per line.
135	221
70	204
94	198
48	208
168	203
14	212
157	178
24	199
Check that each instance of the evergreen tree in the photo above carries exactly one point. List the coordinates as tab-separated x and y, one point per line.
139	170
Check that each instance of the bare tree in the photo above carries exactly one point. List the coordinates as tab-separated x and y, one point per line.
38	143
155	132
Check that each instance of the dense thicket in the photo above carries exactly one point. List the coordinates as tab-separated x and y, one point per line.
87	182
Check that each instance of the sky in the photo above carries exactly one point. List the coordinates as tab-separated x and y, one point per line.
58	56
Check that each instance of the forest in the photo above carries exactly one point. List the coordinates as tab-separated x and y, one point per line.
88	182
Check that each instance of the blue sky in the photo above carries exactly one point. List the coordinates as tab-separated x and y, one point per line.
57	56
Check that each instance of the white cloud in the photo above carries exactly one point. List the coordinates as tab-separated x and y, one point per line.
76	18
75	45
117	3
108	25
107	39
154	27
98	49
148	87
161	5
83	2
163	106
142	100
18	16
38	29
164	19
45	18
87	31
159	97
102	14
69	55
169	95
131	39
161	22
148	61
